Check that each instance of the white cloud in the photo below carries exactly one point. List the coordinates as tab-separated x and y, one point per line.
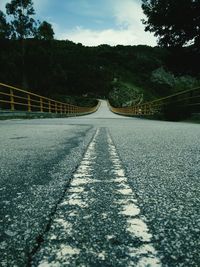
108	36
129	29
128	12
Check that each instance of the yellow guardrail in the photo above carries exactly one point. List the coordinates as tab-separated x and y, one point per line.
188	99
15	99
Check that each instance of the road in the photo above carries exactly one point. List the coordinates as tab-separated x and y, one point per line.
99	190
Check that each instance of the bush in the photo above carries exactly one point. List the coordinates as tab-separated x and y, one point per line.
166	83
163	81
185	82
123	95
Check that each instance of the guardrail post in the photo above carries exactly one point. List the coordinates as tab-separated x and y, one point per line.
29	103
41	105
151	109
12	100
49	106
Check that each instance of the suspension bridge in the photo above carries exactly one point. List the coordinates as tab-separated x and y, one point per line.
14	99
105	189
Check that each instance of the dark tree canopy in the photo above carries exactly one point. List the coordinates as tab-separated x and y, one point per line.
23	24
4	26
45	31
174	22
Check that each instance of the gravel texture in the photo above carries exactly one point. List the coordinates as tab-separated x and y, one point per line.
161	164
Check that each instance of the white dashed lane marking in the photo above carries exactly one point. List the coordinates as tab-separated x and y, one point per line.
98	206
135	225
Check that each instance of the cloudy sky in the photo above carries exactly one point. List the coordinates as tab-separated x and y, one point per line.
94	22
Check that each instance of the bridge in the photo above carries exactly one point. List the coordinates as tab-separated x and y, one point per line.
15	99
98	190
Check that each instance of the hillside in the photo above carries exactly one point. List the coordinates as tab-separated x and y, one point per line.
125	74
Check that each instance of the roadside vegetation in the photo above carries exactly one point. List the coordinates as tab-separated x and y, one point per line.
30	58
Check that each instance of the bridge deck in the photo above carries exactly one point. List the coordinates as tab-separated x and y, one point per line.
99	190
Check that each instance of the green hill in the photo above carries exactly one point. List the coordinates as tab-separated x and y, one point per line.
125	74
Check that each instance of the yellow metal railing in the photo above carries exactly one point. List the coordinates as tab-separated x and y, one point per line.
188	99
15	99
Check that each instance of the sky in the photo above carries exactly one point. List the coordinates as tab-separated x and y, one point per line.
94	22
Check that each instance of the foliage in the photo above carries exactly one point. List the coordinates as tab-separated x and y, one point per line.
123	95
45	31
176	23
186	82
123	73
163	80
77	100
23	24
4	26
166	83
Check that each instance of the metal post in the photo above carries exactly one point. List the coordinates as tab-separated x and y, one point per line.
29	103
49	106
56	110
12	100
41	105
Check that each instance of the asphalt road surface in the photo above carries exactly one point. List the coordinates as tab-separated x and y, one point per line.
99	190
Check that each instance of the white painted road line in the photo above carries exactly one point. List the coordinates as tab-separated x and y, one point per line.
79	204
135	225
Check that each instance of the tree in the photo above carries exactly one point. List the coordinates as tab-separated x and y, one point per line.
45	31
4	27
23	24
175	23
